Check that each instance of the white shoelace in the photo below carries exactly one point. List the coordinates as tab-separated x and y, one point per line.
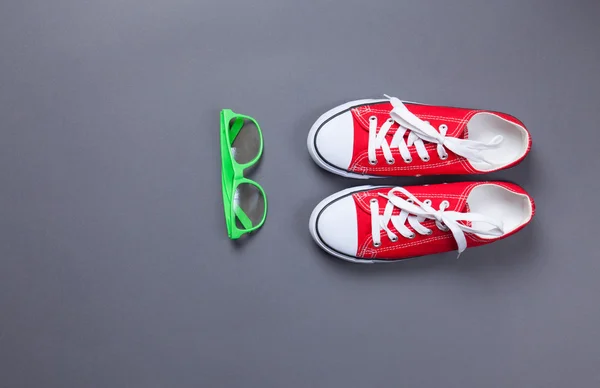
415	212
419	132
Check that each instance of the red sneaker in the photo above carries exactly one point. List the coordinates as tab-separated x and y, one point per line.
368	138
380	224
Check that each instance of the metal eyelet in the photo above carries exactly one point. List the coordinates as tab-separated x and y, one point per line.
394	239
412	236
408	160
444	157
426	159
372	162
429	233
390	120
443	127
410	201
373	200
376	245
445	204
427	202
391	161
372	118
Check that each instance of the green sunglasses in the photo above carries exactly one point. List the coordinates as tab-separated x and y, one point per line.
244	200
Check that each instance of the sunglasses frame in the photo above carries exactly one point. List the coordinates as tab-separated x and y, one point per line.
232	175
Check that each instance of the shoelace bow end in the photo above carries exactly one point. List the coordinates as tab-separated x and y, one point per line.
420	129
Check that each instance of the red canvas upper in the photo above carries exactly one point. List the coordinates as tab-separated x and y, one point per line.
455	193
455	118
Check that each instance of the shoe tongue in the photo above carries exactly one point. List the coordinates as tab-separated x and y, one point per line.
457	203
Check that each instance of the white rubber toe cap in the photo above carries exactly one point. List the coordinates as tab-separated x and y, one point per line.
337	226
335	140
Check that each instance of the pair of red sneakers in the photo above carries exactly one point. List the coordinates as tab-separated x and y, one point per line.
393	138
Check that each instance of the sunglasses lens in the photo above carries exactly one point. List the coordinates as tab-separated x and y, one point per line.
249	205
245	138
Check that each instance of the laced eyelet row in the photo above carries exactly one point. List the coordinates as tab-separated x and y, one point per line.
442	127
375	244
373	162
443	205
407	160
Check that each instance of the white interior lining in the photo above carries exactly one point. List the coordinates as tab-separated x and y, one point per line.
484	127
497	202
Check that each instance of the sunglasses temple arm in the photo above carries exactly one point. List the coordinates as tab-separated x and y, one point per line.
235	129
244	219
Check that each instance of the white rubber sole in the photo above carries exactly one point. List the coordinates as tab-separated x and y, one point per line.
313	132
312	226
310	142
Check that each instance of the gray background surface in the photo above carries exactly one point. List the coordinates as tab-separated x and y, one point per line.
115	268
